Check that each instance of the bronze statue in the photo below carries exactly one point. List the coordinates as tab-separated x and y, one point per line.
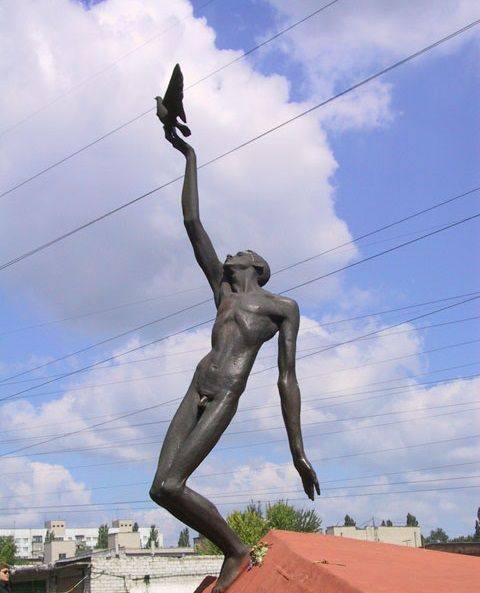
247	317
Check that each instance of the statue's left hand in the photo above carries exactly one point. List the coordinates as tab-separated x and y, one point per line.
177	142
309	477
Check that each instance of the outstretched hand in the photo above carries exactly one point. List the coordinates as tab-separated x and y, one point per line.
177	142
309	477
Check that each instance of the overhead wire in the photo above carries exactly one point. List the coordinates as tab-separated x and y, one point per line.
319	397
243	144
248	501
65	507
176	399
342	268
184	371
265	429
330	481
135	441
257	467
151	109
336	345
95	75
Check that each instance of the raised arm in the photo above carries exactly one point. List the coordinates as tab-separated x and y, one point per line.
202	246
290	397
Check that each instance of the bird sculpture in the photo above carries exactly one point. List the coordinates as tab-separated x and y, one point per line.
170	108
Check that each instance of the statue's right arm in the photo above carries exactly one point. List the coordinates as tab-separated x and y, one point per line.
202	246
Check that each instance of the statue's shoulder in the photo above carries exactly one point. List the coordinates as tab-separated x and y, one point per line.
286	305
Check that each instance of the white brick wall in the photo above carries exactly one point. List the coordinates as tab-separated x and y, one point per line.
126	573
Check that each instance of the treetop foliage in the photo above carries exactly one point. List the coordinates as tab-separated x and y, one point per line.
7	549
102	540
184	538
153	537
253	523
411	521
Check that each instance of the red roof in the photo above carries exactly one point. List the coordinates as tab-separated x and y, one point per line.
312	563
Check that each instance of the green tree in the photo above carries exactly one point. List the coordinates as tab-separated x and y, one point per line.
102	538
7	549
308	521
349	521
207	548
135	527
153	537
252	524
387	523
476	535
437	536
184	538
411	521
462	539
249	524
49	536
281	515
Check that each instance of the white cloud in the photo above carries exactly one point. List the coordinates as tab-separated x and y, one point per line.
28	484
335	385
350	40
248	199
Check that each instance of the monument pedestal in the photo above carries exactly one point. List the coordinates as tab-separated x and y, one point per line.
312	563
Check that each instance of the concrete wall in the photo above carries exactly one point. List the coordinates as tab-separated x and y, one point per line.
401	536
150	574
58	549
123	539
469	548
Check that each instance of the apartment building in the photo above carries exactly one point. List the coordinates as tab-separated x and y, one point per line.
30	542
399	535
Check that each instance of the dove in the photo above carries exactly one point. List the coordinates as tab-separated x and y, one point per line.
170	107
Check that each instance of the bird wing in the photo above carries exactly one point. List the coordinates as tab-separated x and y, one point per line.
173	99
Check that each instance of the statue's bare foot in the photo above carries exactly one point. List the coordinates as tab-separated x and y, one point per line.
231	568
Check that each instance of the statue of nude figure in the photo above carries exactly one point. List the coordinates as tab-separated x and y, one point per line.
247	316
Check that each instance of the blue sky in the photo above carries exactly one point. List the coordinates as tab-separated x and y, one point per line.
402	143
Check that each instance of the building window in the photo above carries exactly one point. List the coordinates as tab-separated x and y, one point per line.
37	539
62	556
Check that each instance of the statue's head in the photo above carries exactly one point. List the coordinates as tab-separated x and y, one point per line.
246	259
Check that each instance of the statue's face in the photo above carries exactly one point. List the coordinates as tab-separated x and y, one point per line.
242	260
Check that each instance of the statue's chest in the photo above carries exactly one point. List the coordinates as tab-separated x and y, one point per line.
247	313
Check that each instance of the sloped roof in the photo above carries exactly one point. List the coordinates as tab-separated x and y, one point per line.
312	563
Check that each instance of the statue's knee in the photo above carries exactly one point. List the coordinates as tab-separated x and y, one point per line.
165	491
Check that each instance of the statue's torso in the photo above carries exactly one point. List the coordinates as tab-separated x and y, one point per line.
244	322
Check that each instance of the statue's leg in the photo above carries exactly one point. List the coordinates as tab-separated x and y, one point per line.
183	450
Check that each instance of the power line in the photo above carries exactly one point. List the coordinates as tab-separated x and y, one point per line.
332	481
247	501
183	371
93	76
8	510
372	333
303	329
385	251
107	340
116	444
176	399
383	228
150	110
234	423
243	144
133	380
374	256
319	397
99	311
318	460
